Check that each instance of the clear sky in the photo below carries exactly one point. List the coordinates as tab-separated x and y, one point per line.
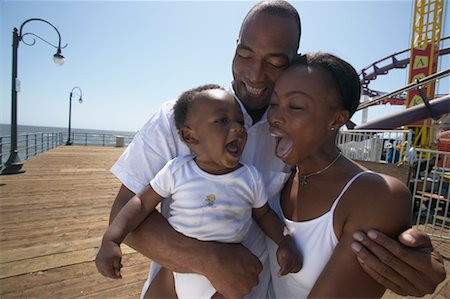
130	56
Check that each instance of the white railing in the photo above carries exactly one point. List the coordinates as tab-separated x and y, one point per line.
429	184
377	146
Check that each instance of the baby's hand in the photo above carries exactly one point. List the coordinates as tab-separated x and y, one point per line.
288	256
108	260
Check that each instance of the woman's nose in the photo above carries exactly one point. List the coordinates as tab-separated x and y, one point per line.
274	116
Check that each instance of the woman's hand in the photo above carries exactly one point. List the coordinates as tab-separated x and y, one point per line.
409	267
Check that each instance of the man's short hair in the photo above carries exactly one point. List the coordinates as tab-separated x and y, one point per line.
278	8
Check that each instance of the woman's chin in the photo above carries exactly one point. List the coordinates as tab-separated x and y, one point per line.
286	158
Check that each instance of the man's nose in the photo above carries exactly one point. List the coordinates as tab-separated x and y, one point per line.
256	71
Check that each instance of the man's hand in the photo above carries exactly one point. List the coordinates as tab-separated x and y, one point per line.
412	267
234	271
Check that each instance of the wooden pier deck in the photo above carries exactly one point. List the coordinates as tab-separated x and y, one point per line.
52	218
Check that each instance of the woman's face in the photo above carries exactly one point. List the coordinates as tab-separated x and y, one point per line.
302	112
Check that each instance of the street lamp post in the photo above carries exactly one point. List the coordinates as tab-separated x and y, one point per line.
14	165
80	100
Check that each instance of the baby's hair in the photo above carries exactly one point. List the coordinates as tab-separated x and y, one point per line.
185	100
342	73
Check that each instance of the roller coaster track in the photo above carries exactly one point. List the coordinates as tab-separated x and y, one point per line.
382	67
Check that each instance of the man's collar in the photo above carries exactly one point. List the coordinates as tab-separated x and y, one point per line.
247	118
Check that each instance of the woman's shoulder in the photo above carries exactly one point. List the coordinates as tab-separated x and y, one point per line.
379	201
381	187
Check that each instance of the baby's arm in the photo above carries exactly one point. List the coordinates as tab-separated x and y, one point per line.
108	260
288	256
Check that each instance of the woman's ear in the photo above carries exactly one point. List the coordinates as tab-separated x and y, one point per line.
340	118
188	135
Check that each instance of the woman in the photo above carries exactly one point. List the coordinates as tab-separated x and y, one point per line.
327	197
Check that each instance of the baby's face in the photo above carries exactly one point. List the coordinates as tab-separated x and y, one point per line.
216	121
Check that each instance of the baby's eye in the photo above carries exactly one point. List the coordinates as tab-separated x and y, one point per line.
221	121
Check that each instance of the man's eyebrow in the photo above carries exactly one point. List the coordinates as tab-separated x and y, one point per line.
244	47
280	54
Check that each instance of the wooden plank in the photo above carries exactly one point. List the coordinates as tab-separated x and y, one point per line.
35	262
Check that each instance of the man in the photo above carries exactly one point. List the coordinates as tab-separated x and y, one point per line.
268	40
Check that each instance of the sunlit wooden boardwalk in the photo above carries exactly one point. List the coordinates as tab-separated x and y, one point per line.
52	218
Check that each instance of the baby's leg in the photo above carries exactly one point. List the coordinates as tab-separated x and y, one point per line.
162	286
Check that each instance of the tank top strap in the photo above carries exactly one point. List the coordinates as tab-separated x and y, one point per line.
349	183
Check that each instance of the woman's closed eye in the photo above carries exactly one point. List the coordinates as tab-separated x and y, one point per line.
296	107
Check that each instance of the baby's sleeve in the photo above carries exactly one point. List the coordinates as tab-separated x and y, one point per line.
260	194
162	183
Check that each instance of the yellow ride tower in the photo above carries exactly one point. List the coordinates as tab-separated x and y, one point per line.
425	41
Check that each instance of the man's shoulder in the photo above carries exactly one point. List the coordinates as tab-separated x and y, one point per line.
161	119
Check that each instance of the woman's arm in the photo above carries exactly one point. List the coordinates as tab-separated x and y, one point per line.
231	268
388	209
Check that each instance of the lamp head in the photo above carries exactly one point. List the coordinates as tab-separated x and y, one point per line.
80	100
58	58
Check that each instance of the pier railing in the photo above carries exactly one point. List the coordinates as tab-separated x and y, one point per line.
32	144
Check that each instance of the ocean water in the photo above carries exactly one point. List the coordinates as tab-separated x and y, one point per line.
32	140
5	130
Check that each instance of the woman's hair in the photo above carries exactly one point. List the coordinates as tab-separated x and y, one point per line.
344	76
185	101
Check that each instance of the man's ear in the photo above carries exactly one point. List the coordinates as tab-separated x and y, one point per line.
188	135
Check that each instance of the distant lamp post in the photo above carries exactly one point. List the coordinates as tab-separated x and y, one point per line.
14	165
69	142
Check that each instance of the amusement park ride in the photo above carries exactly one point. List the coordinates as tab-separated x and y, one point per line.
426	114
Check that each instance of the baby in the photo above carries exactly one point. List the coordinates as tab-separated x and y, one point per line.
214	196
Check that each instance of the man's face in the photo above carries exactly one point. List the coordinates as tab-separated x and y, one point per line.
265	48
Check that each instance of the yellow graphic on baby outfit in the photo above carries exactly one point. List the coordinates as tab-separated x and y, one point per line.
210	200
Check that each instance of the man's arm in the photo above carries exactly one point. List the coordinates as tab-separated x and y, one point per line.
231	268
409	267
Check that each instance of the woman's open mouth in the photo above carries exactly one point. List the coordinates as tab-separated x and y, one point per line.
284	144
